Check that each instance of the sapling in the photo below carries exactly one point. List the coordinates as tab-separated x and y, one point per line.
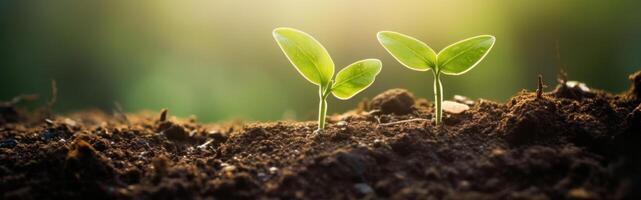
312	61
455	59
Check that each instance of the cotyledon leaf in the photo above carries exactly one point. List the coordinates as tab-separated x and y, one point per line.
307	55
409	51
355	78
462	56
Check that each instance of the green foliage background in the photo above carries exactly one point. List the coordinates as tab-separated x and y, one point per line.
218	60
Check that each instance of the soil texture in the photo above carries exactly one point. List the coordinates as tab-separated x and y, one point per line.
572	143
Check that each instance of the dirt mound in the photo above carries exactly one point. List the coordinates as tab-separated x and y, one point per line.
394	101
571	143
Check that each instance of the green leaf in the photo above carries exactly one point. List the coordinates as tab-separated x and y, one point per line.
355	78
409	51
306	54
462	56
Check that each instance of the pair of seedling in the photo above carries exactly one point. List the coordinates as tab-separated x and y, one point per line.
311	59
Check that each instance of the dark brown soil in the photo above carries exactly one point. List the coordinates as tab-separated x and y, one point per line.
566	144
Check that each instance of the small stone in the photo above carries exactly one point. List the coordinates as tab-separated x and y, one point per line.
572	90
454	107
273	170
341	123
363	188
463	100
576	84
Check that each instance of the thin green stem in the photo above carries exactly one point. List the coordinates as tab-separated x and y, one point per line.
322	111
438	98
322	107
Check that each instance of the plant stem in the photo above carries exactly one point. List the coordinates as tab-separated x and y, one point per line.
322	111
322	108
438	98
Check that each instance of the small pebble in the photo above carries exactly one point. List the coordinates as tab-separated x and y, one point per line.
363	188
577	84
341	123
463	100
454	107
273	170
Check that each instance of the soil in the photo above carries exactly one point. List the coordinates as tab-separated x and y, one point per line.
571	143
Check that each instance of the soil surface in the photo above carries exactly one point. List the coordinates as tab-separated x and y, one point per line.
571	143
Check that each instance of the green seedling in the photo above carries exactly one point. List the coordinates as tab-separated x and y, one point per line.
312	61
455	59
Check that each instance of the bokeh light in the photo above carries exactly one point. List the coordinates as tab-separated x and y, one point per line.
217	59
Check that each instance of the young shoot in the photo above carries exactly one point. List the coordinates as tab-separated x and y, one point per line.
455	59
312	61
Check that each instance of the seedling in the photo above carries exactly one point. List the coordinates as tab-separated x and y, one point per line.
455	59
312	61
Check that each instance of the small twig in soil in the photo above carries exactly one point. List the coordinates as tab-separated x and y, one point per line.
204	145
163	114
404	121
539	90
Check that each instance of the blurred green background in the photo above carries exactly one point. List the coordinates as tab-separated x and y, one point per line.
218	60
